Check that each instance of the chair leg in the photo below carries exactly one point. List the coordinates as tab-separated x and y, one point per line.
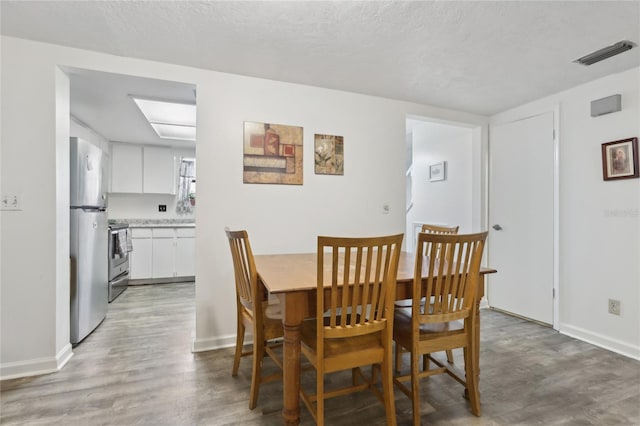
450	356
387	389
415	388
472	383
398	357
239	345
320	397
256	375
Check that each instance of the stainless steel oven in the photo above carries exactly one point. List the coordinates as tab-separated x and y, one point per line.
119	249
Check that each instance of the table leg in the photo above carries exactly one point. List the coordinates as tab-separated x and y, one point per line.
476	336
292	316
475	352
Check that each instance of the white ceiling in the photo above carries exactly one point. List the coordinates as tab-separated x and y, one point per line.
479	56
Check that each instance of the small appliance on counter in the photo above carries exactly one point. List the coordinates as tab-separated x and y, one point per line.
88	238
119	248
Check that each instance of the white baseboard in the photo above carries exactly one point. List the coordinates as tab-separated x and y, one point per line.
64	356
606	342
213	343
37	366
210	344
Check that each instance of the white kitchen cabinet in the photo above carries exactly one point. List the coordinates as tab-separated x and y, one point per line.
159	171
142	255
126	168
164	249
141	169
185	252
160	253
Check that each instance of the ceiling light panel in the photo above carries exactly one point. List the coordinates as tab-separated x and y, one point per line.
170	120
171	131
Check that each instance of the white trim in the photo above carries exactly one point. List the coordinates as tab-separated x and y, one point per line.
64	356
213	343
37	366
556	217
600	340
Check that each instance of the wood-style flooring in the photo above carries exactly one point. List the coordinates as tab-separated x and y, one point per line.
137	369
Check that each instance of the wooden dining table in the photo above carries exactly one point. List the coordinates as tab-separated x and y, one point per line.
292	279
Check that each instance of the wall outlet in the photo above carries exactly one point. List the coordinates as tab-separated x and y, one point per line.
162	207
614	307
11	202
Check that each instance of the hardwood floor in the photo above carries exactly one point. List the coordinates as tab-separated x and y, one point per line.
137	369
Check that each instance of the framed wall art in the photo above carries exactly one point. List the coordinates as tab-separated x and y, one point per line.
272	153
620	159
438	171
329	155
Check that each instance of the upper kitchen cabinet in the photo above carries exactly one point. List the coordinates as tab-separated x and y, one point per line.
126	168
142	169
158	171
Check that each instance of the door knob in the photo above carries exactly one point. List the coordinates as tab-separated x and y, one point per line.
497	227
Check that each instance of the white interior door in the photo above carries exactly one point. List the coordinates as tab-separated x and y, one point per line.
521	217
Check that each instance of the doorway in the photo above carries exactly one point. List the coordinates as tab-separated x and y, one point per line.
153	185
454	195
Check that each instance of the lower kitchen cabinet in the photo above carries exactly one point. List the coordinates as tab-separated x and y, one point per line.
164	253
185	252
171	254
142	253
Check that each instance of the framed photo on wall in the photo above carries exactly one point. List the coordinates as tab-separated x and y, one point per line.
329	154
438	171
620	159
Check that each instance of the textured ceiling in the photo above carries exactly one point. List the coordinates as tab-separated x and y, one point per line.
481	57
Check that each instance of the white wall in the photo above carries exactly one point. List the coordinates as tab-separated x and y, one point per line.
278	218
599	228
448	202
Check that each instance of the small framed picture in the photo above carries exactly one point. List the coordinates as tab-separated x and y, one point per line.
438	171
620	159
329	154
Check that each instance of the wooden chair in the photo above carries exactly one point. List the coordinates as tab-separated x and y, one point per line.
452	263
255	313
354	322
429	229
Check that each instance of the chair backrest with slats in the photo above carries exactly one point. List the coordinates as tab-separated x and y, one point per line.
246	275
452	265
436	229
356	284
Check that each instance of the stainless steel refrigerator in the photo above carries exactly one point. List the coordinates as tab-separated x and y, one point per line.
89	241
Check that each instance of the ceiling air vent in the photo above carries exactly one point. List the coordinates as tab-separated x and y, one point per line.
606	52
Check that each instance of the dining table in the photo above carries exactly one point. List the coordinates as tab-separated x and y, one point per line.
292	279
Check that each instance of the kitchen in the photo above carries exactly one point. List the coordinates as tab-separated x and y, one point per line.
149	188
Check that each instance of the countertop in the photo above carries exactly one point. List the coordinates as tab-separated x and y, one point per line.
156	223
